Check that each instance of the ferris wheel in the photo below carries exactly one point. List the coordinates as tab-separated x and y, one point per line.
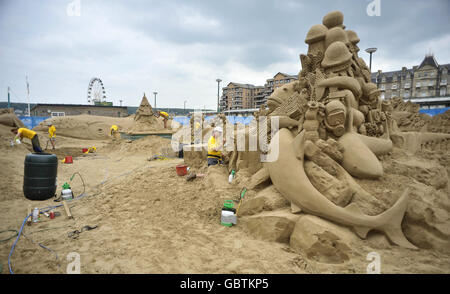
96	91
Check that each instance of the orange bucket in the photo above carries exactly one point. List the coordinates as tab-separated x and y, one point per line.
181	170
68	159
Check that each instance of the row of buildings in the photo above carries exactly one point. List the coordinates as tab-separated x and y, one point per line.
236	96
426	84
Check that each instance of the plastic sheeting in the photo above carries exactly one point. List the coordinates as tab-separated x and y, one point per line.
434	111
32	121
245	120
183	120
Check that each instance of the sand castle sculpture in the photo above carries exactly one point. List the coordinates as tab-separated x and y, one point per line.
333	125
145	112
145	119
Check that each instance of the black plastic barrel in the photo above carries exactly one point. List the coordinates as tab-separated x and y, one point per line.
39	177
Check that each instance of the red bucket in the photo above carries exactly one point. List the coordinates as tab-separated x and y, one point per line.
68	159
84	150
181	170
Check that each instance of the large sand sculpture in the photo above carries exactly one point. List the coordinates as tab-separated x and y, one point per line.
333	128
145	119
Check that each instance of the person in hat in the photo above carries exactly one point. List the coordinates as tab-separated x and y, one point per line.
165	117
114	131
215	147
30	134
51	135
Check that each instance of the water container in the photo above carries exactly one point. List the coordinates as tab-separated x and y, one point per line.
181	169
39	177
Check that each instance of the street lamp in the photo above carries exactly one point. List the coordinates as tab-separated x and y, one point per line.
154	93
218	87
370	51
184	112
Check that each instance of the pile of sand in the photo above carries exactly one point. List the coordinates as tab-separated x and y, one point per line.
150	145
440	123
409	119
8	118
11	161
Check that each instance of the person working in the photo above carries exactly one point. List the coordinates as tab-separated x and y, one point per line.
165	117
215	147
51	135
30	134
114	130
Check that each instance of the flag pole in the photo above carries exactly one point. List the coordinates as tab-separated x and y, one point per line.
28	96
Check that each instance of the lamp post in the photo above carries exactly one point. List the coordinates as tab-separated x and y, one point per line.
9	100
218	87
370	51
154	93
184	111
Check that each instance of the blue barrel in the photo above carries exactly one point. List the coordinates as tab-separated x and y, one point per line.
39	177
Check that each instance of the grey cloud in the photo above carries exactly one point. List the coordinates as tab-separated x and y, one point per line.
141	45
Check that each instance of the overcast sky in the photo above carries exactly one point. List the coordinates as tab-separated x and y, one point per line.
179	48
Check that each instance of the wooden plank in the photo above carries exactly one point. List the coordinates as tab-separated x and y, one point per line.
67	209
29	222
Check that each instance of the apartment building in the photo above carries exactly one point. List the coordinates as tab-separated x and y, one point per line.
426	84
237	96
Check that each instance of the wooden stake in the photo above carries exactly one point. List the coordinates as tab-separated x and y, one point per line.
29	216
67	209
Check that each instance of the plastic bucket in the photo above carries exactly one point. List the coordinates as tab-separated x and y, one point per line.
181	170
68	159
84	150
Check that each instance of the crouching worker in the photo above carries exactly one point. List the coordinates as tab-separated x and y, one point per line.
30	134
114	131
215	147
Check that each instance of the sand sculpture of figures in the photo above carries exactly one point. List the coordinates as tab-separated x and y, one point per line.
341	126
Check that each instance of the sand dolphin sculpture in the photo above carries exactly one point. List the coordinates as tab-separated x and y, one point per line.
288	175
